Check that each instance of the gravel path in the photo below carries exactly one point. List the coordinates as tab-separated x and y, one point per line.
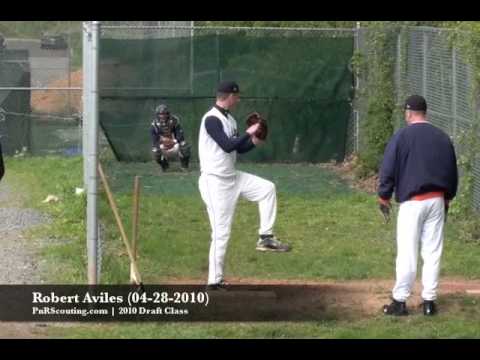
19	257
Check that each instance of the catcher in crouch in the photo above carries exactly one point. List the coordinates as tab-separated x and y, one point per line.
168	139
221	185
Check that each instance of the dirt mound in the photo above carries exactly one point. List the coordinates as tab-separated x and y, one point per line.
310	300
346	170
59	101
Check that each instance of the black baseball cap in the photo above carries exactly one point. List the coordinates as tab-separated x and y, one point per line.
228	87
416	103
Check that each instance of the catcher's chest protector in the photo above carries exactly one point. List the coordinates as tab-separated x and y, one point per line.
164	128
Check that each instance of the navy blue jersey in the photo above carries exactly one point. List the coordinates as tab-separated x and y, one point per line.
214	127
419	158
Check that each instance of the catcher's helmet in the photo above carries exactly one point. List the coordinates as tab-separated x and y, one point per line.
162	109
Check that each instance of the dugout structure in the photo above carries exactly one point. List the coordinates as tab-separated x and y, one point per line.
299	79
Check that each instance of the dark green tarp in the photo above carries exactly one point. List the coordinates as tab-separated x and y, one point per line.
301	84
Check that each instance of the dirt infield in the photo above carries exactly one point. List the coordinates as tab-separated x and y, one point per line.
297	300
346	170
55	101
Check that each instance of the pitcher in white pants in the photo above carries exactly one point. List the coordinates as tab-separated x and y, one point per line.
221	185
221	194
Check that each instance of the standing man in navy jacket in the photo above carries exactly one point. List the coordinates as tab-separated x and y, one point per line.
420	166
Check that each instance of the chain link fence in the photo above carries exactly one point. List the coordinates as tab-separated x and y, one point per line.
43	101
427	64
43	114
40	88
299	78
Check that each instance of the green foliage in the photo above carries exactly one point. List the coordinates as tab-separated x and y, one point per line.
291	24
34	29
466	38
375	68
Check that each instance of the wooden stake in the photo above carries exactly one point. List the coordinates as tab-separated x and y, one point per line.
114	208
136	203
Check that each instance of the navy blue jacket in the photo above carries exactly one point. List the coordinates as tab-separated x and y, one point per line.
418	159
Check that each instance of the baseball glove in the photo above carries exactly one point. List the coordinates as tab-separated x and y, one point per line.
167	143
262	130
385	211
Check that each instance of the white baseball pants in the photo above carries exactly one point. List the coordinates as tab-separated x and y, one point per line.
220	195
420	223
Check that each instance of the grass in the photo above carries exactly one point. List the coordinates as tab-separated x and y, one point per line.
461	325
336	233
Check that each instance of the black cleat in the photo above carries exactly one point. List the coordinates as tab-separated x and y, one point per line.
396	308
271	243
140	288
429	308
184	164
164	163
222	285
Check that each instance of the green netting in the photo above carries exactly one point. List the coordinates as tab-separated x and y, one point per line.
301	84
14	124
55	137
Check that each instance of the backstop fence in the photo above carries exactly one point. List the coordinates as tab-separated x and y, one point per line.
300	79
40	91
426	63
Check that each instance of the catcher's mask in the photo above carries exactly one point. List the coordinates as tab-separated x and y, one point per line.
162	111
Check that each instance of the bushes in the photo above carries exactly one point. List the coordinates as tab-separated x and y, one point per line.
375	67
466	38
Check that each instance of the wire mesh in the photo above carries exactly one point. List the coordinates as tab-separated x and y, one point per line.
40	87
298	78
431	67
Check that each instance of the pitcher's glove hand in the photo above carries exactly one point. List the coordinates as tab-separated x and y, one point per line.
262	130
385	209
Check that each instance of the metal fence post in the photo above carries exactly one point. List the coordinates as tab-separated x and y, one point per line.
398	72
69	65
356	119
217	49
425	64
85	95
92	222
192	49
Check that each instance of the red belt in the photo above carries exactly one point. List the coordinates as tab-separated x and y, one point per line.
428	195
